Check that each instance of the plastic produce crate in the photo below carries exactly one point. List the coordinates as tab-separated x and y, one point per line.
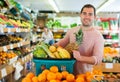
62	64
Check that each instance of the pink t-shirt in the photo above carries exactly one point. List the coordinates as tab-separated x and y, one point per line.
92	45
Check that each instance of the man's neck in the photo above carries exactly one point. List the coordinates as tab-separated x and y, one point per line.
86	27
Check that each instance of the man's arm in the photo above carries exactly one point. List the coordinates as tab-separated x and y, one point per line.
97	53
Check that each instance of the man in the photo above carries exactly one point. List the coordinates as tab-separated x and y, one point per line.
90	52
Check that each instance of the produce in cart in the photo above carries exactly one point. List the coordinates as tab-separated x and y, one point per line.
44	50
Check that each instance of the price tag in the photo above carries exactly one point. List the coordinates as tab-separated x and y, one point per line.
25	58
109	65
1	29
106	31
22	59
12	60
11	46
17	30
65	30
9	30
18	44
55	30
21	44
38	30
31	55
4	48
3	72
26	30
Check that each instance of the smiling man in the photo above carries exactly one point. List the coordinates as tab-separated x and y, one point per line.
90	52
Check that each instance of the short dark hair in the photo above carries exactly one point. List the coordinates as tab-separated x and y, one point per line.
88	6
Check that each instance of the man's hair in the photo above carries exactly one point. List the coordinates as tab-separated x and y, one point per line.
88	6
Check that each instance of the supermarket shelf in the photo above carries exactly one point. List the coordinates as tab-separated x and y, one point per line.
109	31
108	67
54	30
8	69
8	30
111	40
11	46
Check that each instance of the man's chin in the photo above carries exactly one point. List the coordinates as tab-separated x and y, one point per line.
86	25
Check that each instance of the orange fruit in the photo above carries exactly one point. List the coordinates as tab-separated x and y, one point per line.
46	71
64	74
70	78
35	79
26	79
58	76
53	81
30	75
52	48
51	76
54	69
89	78
64	81
81	75
58	80
80	79
42	77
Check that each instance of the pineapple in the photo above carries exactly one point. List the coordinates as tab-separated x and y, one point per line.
74	46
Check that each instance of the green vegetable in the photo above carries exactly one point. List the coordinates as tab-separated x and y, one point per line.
39	52
45	47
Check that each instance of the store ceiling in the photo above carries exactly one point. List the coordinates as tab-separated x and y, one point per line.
69	5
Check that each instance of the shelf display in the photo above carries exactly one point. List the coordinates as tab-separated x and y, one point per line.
111	34
14	46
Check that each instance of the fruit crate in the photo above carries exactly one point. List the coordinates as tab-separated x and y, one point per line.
62	64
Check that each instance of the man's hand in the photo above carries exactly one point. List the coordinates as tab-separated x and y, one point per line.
76	54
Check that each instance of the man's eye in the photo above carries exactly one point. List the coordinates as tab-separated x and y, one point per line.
90	14
84	13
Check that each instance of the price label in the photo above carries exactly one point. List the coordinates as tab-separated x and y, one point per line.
18	44
22	59
11	46
25	58
4	48
26	30
9	30
38	30
55	30
17	30
65	30
109	65
3	72
1	29
21	44
31	55
106	31
12	60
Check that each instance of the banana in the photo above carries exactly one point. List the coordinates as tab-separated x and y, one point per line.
64	53
57	54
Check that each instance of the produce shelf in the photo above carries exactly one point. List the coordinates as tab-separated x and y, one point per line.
9	69
11	46
8	30
108	67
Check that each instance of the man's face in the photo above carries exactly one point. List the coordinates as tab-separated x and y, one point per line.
87	17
